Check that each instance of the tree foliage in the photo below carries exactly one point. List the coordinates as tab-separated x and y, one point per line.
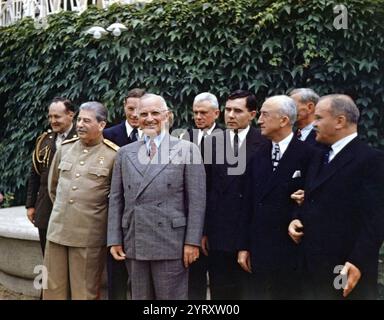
180	48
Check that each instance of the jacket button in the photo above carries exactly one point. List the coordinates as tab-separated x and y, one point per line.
71	201
159	224
77	175
159	204
81	163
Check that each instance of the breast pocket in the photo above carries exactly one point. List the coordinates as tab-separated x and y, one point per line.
97	172
65	168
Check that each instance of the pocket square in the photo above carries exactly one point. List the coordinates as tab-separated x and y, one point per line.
297	174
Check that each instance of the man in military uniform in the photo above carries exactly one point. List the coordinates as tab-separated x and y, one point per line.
79	184
38	204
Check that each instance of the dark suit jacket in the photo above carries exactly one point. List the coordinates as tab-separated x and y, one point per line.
225	192
311	138
192	133
117	134
343	214
37	189
269	208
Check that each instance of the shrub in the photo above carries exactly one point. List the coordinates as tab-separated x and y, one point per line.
180	48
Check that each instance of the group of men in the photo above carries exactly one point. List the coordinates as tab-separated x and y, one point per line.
292	210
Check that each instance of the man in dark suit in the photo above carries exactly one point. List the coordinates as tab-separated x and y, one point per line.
274	173
305	99
38	204
342	216
126	132
231	150
205	113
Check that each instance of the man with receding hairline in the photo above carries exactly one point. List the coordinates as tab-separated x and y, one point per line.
340	226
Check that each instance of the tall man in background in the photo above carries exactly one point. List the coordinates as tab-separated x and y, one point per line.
306	100
205	113
126	132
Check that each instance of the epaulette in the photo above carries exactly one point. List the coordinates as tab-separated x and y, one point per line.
111	144
70	140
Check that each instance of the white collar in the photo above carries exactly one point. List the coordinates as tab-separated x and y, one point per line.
283	144
129	129
340	144
242	134
208	132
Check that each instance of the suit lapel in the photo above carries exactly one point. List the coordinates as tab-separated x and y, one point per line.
167	149
138	157
341	159
285	165
252	141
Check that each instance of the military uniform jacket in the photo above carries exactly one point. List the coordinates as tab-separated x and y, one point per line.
37	190
79	184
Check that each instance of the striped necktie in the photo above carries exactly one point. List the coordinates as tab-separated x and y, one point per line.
275	156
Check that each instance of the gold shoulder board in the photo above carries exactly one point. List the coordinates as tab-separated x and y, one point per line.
70	140
111	144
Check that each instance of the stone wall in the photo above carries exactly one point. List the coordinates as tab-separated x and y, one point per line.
20	251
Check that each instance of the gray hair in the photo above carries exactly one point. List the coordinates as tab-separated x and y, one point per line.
306	95
206	96
342	104
100	110
152	95
287	106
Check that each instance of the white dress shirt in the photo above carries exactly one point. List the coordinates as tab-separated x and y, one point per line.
339	145
283	144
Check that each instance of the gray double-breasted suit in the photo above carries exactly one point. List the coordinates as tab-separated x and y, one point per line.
157	206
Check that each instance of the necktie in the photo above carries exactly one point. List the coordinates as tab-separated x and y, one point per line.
133	135
327	154
298	134
275	157
152	149
202	143
236	144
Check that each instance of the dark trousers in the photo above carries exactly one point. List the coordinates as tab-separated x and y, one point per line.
321	286
276	285
43	238
197	282
228	281
117	279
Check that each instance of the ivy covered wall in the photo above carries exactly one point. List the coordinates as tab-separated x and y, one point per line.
180	48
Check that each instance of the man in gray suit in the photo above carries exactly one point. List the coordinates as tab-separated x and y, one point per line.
157	205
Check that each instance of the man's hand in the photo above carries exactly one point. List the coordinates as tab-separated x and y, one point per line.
295	230
191	254
204	245
117	253
31	214
244	259
353	276
298	196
